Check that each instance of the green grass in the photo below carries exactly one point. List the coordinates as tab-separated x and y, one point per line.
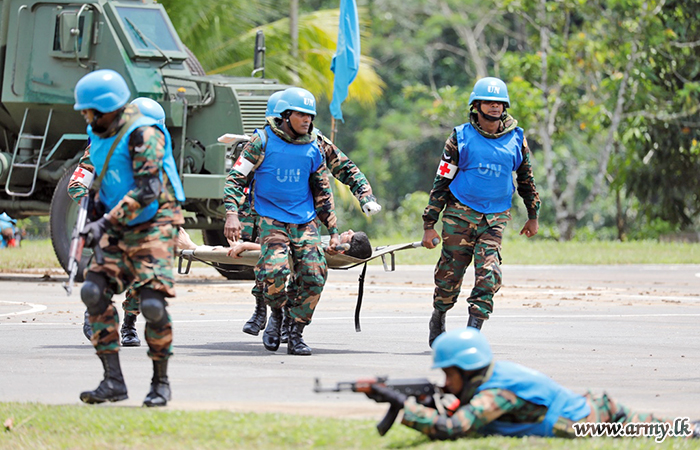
37	254
516	250
519	250
111	427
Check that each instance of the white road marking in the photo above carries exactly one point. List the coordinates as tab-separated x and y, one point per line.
34	308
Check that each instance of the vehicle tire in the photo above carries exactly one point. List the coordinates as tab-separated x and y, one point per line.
229	271
193	64
63	215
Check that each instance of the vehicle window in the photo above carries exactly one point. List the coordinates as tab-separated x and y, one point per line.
147	27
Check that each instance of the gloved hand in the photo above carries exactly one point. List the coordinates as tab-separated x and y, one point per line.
371	208
383	394
93	231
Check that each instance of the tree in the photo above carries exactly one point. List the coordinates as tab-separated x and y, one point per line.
583	84
222	35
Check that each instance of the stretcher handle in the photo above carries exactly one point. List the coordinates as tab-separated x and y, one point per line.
417	244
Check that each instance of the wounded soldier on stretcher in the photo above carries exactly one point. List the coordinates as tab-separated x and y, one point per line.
359	245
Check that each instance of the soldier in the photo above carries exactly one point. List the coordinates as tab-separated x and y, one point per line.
343	169
140	192
360	246
290	186
503	398
8	231
77	189
474	186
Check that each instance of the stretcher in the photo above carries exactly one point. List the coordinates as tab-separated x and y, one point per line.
214	256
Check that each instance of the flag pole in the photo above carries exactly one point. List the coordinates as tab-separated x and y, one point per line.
333	129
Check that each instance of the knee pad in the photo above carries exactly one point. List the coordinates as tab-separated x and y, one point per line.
92	293
153	306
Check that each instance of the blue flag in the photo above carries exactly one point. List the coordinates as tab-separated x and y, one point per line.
346	61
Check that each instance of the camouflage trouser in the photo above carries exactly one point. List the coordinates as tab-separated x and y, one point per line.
136	257
130	305
462	240
248	218
606	410
278	240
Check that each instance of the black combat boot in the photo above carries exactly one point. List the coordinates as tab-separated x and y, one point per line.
475	322
296	345
258	319
130	337
286	322
159	395
436	325
112	387
271	336
87	326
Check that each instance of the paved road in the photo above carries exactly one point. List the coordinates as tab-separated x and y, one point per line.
630	330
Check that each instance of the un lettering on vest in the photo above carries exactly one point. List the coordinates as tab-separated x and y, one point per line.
288	175
493	170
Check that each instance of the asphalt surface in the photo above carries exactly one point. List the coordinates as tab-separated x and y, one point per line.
631	331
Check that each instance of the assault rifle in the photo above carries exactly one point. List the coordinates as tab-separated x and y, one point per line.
420	388
77	242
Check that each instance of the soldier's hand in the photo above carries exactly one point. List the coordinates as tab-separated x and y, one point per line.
371	208
232	227
93	231
383	394
531	228
332	244
429	237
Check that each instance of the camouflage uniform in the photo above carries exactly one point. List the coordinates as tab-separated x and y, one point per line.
139	256
77	190
468	234
278	238
504	405
342	168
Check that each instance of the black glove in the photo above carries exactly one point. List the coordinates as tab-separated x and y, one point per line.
93	231
383	394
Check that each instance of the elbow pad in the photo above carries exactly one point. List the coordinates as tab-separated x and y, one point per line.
149	190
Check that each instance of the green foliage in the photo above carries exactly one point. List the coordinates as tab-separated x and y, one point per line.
222	35
612	118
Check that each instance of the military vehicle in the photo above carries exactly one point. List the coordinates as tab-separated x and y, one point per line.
46	46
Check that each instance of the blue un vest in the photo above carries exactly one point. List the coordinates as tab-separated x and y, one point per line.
282	190
119	179
537	388
484	181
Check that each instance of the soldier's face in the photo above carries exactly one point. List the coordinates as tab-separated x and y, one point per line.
453	380
98	121
346	236
88	115
491	108
301	122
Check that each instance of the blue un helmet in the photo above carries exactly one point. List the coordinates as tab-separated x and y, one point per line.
490	89
271	103
296	99
465	348
103	90
150	108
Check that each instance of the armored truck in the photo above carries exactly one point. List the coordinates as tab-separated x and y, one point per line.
46	46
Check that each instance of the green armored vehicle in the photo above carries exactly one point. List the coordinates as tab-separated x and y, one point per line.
47	46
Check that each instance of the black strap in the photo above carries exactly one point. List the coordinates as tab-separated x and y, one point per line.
360	291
